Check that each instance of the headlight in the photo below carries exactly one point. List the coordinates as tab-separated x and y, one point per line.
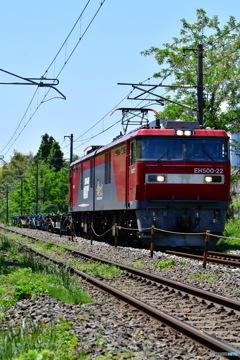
208	179
179	132
184	132
160	178
213	179
155	178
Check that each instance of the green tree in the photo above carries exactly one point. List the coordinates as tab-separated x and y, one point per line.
53	188
45	147
16	167
50	151
221	71
28	182
56	157
11	183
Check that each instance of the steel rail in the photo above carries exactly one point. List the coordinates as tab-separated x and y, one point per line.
204	294
207	295
209	259
224	255
190	331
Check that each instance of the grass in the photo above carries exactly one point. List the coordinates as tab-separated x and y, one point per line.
208	277
22	277
93	268
100	270
232	230
169	263
36	342
139	264
32	277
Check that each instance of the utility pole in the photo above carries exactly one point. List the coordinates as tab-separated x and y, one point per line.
200	83
147	89
21	195
199	53
7	190
71	159
71	146
36	186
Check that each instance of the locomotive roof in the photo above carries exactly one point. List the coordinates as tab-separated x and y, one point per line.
162	131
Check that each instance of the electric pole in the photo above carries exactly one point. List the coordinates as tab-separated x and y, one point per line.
71	146
7	191
200	83
36	186
147	89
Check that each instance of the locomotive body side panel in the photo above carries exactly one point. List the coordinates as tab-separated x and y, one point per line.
119	163
82	186
153	176
106	197
100	182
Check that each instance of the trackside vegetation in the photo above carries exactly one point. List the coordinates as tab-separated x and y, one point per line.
232	232
38	342
22	277
35	184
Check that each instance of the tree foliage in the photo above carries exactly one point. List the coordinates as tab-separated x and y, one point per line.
221	70
50	151
45	147
29	183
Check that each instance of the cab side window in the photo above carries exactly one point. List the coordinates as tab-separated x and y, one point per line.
133	153
107	169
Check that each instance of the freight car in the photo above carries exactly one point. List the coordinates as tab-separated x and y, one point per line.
172	175
56	223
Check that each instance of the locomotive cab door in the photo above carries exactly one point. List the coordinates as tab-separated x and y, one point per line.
131	174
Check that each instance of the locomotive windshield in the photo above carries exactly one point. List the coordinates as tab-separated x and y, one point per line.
185	149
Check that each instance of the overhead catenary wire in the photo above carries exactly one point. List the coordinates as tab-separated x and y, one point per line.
18	127
84	141
65	41
11	141
167	74
17	134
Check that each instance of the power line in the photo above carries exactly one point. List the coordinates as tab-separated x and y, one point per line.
12	140
65	41
84	141
15	132
102	119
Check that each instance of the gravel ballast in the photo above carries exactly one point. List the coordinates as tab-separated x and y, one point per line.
107	326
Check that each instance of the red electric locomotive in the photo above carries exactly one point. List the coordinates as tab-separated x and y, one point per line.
170	174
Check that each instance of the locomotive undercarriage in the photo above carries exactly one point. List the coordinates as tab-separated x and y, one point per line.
178	223
101	225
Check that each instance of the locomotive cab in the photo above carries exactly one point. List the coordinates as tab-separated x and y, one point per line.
183	183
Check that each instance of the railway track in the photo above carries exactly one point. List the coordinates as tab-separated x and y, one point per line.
212	257
198	314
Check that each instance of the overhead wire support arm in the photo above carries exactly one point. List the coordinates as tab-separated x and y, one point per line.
160	99
160	85
40	82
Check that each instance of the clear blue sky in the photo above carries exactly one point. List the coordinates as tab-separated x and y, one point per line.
32	32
